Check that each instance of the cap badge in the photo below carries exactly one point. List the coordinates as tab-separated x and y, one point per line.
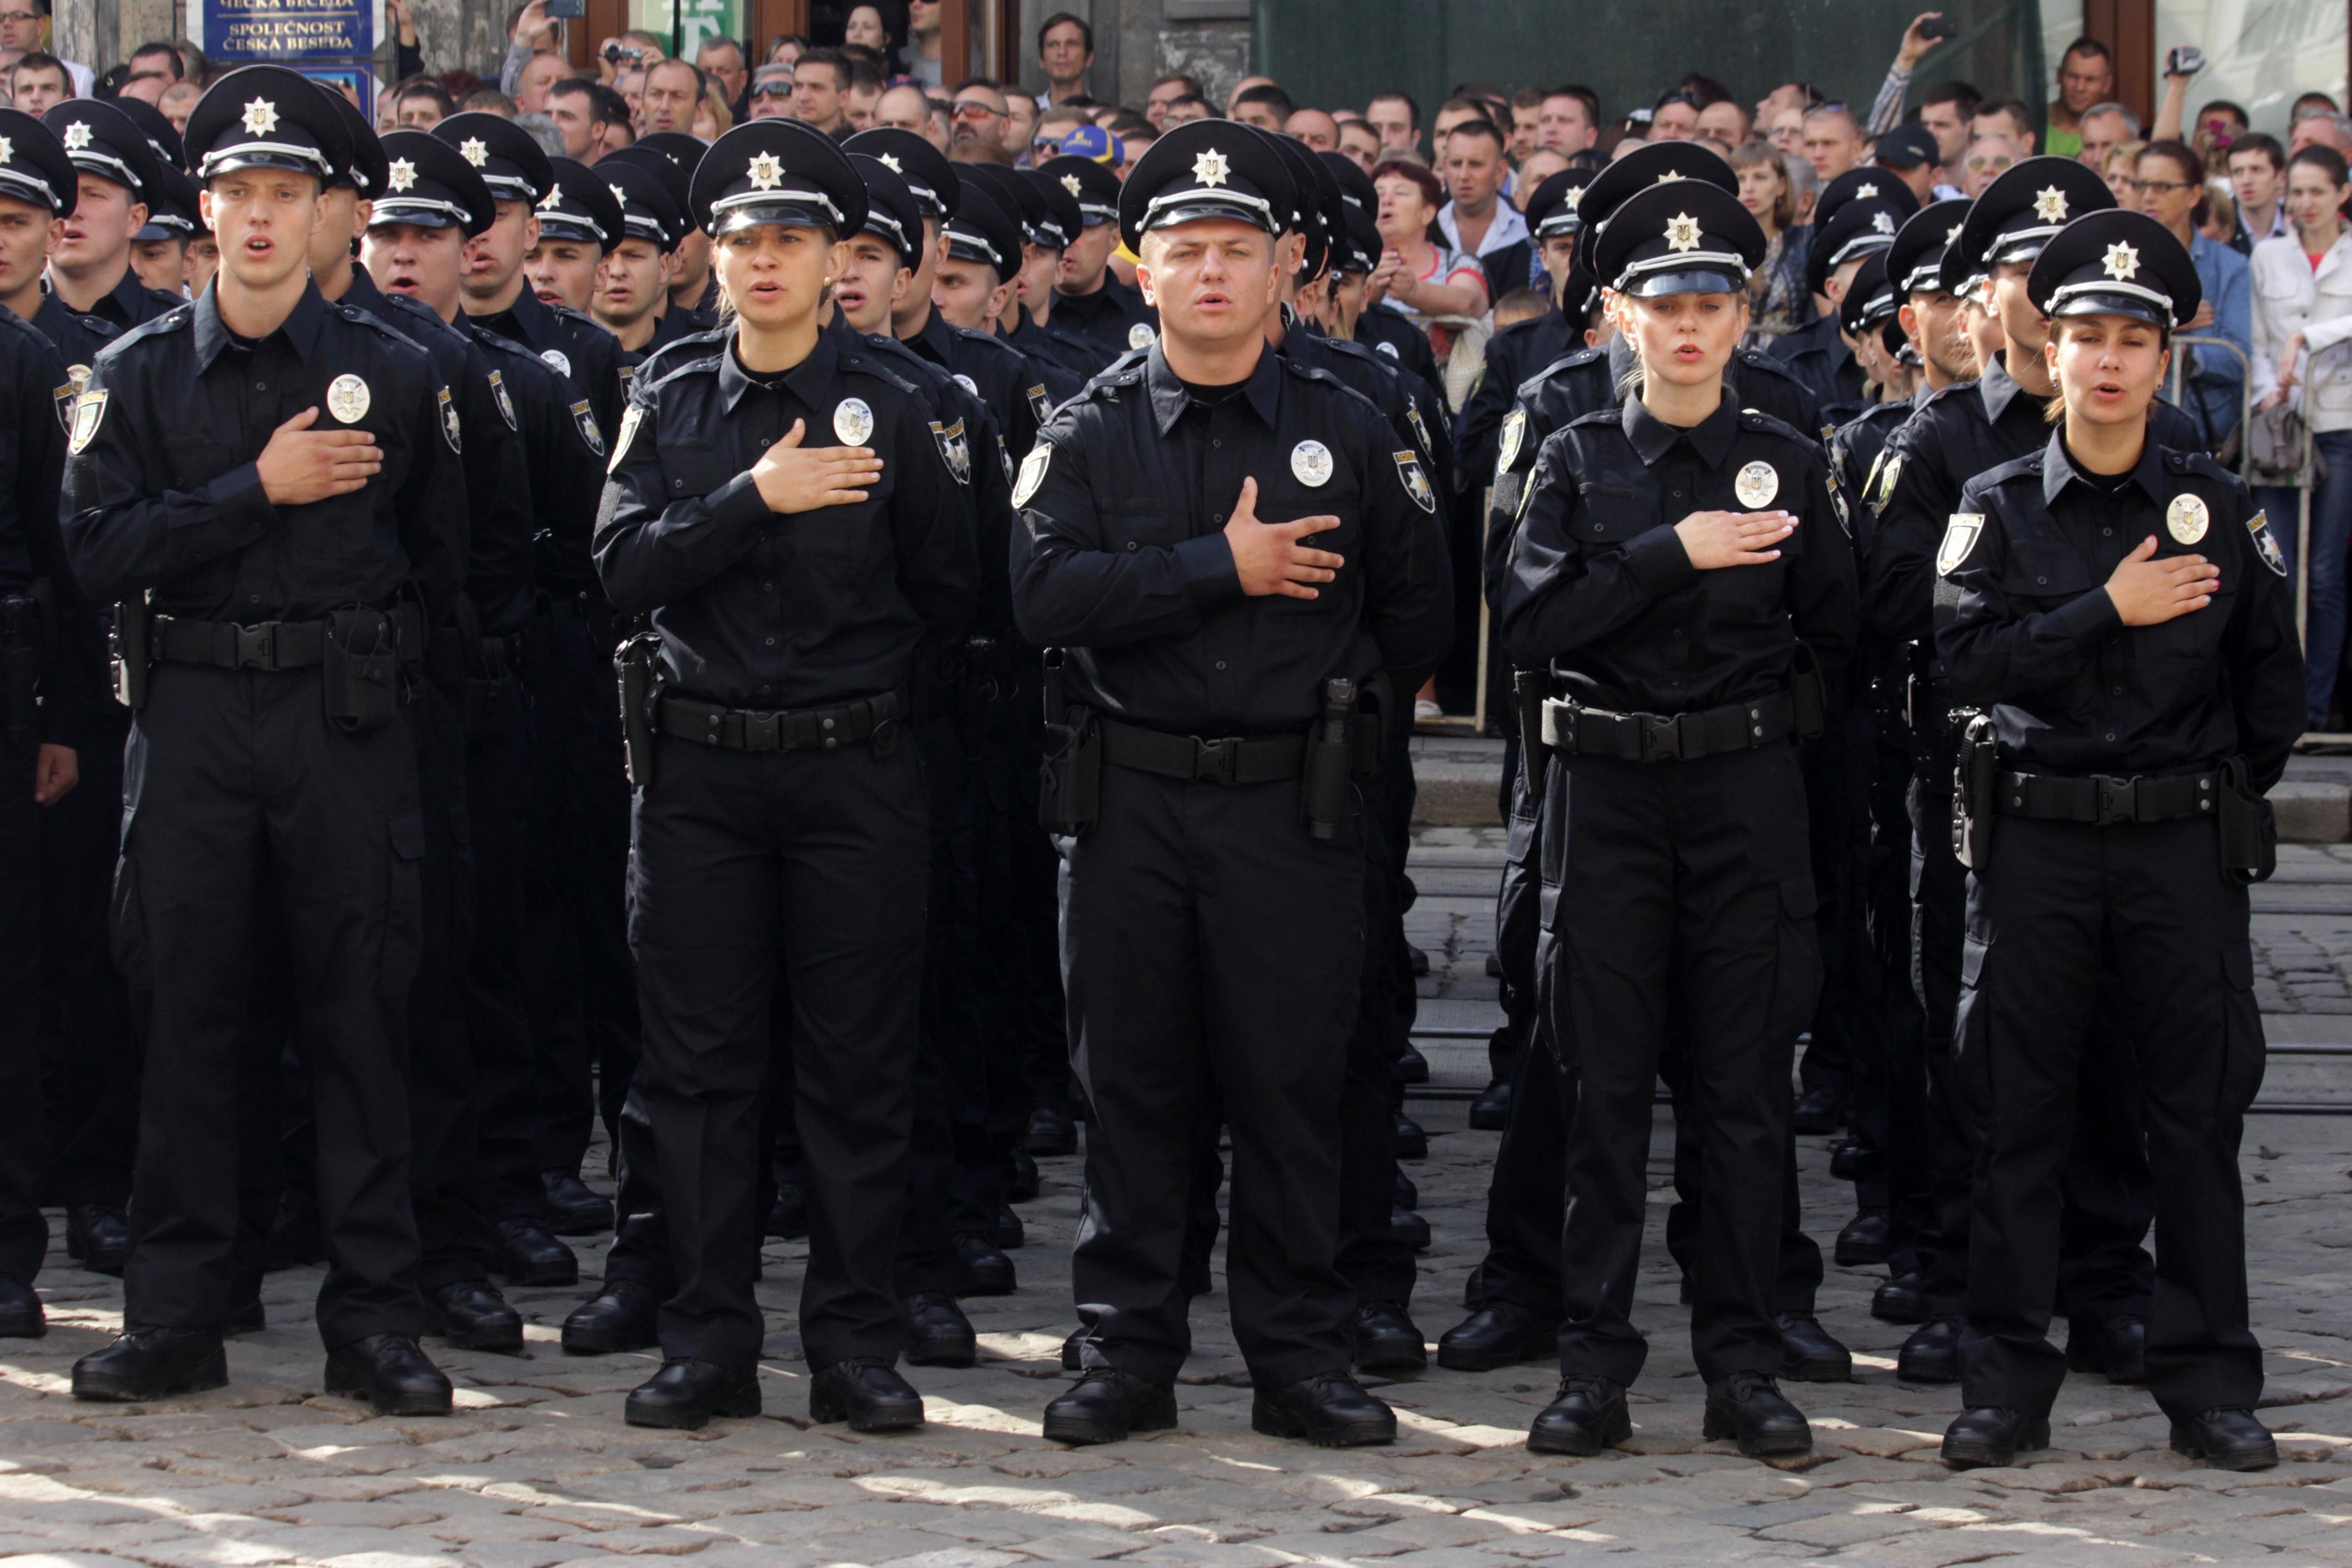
1310	462
1757	484
1670	175
766	171
1070	183
619	194
853	421
2187	519
2122	262
77	136
1953	233
552	200
7	150
261	117
1211	168
1882	223
1575	194
890	162
1682	232
348	398
1864	191
2049	205
473	150
402	175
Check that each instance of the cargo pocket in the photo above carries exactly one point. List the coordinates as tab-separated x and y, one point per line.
403	914
2242	1047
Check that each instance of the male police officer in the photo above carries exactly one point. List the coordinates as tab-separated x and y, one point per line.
266	484
1202	644
1093	303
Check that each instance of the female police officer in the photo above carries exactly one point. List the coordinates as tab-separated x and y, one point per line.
793	520
1672	554
2121	611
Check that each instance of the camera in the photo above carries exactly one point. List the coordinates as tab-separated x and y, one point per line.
1939	28
2187	60
615	54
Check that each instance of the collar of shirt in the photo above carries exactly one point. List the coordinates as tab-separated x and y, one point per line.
300	327
1262	391
936	342
1507	228
127	297
1653	438
815	381
1998	388
2058	470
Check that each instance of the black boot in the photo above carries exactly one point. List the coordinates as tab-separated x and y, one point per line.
1387	1339
1008	1234
788	1216
2227	1440
20	1311
1585	1415
981	1269
1902	1300
1863	1241
1412	1067
1330	1412
571	1208
937	1333
1021	1180
867	1394
391	1372
685	1394
472	1316
623	1316
148	1363
1074	1349
1498	1334
1416	959
1748	1406
2117	1347
99	1237
1050	1132
1493	1107
246	1314
528	1256
1991	1435
1808	1353
295	1239
1818	1110
1108	1407
1411	1143
1410	1229
1850	1161
1407	1195
1932	1354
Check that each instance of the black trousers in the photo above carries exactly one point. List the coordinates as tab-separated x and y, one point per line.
24	1124
1205	934
942	1195
1375	1264
1899	1104
1678	898
1845	1034
1024	1026
814	866
92	1071
497	1000
238	789
2069	919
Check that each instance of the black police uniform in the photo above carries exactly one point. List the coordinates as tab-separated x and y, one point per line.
649	209
1046	216
267	762
1519	351
2121	788
1197	854
1959	433
1114	317
1658	662
784	827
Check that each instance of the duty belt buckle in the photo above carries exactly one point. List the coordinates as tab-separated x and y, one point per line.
759	732
256	646
1217	760
1661	736
2118	800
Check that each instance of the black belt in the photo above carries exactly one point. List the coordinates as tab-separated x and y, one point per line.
270	645
805	729
1226	760
1584	731
2103	801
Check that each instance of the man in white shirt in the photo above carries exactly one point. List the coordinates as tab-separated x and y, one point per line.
1477	221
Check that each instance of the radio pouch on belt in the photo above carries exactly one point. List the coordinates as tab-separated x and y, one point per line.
1975	783
1805	693
127	651
1327	779
1069	782
633	666
2249	827
360	664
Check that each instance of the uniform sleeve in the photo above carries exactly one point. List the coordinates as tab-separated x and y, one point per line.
125	537
1561	599
1824	604
1997	650
652	551
1909	516
498	502
1070	588
73	686
1408	580
2265	656
931	526
429	506
1475	434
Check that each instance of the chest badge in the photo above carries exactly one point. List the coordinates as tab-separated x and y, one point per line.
1140	336
557	358
348	398
2266	543
967	383
584	419
1416	483
853	421
1033	473
1310	462
1959	538
2187	519
1757	484
1515	431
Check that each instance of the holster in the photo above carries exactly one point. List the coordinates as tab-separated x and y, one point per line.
1327	782
361	667
1528	689
634	668
25	622
1069	781
1976	781
1807	694
127	650
2249	827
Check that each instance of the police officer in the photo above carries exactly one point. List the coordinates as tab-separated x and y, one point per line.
1052	221
159	251
632	297
1962	432
269	752
694	290
1200	642
1519	351
781	510
1814	353
1093	302
937	189
91	273
1671	624
579	222
2121	611
50	688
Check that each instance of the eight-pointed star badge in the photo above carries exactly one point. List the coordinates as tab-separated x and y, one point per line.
474	151
2121	260
77	136
261	117
1211	168
1682	232
400	176
2049	205
1070	183
766	170
890	162
7	150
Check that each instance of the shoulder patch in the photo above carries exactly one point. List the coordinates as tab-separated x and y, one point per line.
1515	431
1961	535
1416	483
89	409
630	417
1033	473
955	449
2266	545
449	430
584	418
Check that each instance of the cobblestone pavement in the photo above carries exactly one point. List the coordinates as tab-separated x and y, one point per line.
537	1468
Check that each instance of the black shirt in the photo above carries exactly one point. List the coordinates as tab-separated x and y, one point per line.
1602	590
1397	340
163	492
2029	633
71	684
1119	555
1513	355
1816	356
579	351
764	610
1108	316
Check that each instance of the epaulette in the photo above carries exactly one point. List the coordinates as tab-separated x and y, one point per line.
1757	419
358	317
866	364
169	322
1612	414
565	312
1570	362
2201	464
678	351
670	373
1757	359
995	344
2016	468
1942	393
